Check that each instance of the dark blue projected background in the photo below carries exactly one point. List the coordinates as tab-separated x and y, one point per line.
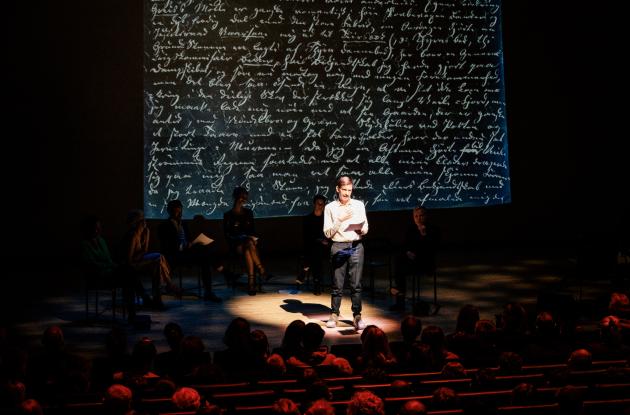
282	97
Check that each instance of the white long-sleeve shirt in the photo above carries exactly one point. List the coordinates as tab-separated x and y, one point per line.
336	229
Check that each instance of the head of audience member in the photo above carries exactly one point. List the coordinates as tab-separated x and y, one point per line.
443	399
524	394
610	330
285	406
53	340
165	387
174	335
319	203
433	336
619	305
192	352
320	407
117	399
376	348
175	209
580	359
276	366
365	403
510	363
260	344
413	407
316	390
143	354
240	196
467	318
410	328
486	331
546	325
342	366
400	387
186	399
30	407
236	335
453	370
312	337
292	339
570	400
514	318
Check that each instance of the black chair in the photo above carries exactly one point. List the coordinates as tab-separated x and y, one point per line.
378	255
95	285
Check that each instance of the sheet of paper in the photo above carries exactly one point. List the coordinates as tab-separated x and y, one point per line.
354	227
202	239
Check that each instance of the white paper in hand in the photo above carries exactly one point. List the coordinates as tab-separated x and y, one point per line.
202	239
354	227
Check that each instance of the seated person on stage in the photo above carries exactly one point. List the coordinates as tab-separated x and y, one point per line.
97	261
238	225
135	253
418	256
178	248
316	245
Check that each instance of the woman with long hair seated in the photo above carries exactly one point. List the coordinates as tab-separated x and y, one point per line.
238	225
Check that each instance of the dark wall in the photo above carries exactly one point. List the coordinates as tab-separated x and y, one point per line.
74	127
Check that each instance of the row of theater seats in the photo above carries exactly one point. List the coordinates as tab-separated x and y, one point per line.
596	386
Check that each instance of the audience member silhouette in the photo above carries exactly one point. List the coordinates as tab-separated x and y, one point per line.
434	354
110	368
546	344
135	253
54	372
117	400
463	341
285	406
320	407
240	233
314	353
30	407
413	407
236	358
99	265
375	351
365	403
406	350
178	248
166	362
292	340
315	244
186	399
418	257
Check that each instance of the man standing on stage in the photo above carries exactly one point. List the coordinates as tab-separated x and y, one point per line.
345	223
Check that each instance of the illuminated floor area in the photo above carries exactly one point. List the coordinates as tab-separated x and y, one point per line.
486	280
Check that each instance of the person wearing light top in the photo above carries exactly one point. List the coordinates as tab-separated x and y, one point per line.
345	223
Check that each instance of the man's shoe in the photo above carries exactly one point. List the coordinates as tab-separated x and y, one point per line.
359	324
332	321
212	297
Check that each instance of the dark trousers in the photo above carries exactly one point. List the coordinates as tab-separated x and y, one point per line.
350	266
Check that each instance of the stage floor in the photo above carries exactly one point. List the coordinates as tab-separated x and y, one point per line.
486	279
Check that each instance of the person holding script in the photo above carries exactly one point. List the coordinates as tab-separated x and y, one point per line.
345	223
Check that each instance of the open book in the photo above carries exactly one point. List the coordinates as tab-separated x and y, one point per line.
202	239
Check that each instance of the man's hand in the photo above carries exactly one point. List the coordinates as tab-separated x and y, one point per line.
346	215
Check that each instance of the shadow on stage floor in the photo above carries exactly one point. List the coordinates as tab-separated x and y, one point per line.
487	279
